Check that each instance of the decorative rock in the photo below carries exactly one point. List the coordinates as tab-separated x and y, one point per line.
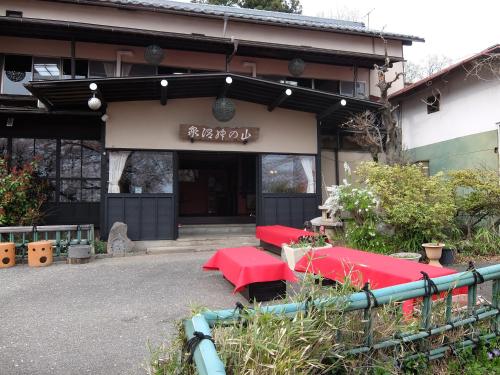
118	242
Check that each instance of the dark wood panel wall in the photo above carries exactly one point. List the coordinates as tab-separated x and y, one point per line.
288	210
148	216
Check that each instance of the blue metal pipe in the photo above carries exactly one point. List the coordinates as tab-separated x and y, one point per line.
205	356
358	301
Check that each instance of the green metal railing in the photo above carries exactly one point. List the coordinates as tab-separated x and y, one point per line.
61	236
208	362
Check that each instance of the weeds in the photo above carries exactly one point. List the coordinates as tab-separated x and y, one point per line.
315	341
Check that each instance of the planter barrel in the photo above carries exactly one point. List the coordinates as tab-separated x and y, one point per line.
40	254
291	255
7	254
433	251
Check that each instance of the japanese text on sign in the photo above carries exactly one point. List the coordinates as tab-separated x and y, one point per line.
207	134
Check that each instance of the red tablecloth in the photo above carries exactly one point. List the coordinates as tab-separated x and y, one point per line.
380	270
247	265
279	234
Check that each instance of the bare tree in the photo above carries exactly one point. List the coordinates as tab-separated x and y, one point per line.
367	132
428	66
367	126
486	67
342	13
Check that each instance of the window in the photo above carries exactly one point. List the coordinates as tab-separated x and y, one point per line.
79	177
433	103
424	166
16	72
80	170
288	174
140	172
46	68
292	81
327	85
25	150
137	70
81	69
13	13
101	69
347	88
168	70
3	147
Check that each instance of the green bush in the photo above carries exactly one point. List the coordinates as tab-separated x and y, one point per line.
476	362
100	247
484	242
477	197
22	193
366	237
419	208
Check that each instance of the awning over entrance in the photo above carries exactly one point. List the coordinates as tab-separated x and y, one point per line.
74	94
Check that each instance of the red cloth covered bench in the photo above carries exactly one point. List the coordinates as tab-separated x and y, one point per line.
381	271
261	274
273	236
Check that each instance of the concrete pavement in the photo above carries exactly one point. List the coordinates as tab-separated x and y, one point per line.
97	318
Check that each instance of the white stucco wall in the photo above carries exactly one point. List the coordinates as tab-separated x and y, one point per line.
468	106
149	125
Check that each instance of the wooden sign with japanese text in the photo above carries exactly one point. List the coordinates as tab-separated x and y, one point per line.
218	134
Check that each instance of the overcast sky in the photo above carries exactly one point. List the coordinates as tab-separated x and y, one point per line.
456	29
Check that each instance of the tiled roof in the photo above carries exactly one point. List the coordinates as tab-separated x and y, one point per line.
295	20
425	82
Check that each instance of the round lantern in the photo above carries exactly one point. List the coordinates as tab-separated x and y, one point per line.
154	54
94	103
15	76
223	109
296	67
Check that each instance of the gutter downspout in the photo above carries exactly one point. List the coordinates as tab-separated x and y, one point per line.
235	49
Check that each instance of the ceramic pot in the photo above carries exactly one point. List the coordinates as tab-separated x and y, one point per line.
433	251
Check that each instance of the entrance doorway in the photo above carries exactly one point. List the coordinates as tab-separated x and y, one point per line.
217	188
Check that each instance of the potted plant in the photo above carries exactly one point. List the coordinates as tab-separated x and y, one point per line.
413	257
433	251
292	252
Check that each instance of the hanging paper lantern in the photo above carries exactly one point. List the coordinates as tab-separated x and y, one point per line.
94	103
15	76
154	54
223	109
296	67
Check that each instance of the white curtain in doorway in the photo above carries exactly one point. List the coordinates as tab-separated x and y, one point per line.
126	68
117	160
308	164
109	69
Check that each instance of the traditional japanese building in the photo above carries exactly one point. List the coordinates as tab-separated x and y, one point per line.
159	113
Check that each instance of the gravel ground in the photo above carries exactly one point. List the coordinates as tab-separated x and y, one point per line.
97	318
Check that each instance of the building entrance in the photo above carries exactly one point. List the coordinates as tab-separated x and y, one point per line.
217	188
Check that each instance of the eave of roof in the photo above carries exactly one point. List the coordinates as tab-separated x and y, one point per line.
64	30
425	81
248	15
74	94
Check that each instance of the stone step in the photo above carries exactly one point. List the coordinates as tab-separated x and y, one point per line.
188	230
196	246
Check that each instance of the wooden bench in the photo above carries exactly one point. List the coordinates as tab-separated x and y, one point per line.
257	275
273	236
